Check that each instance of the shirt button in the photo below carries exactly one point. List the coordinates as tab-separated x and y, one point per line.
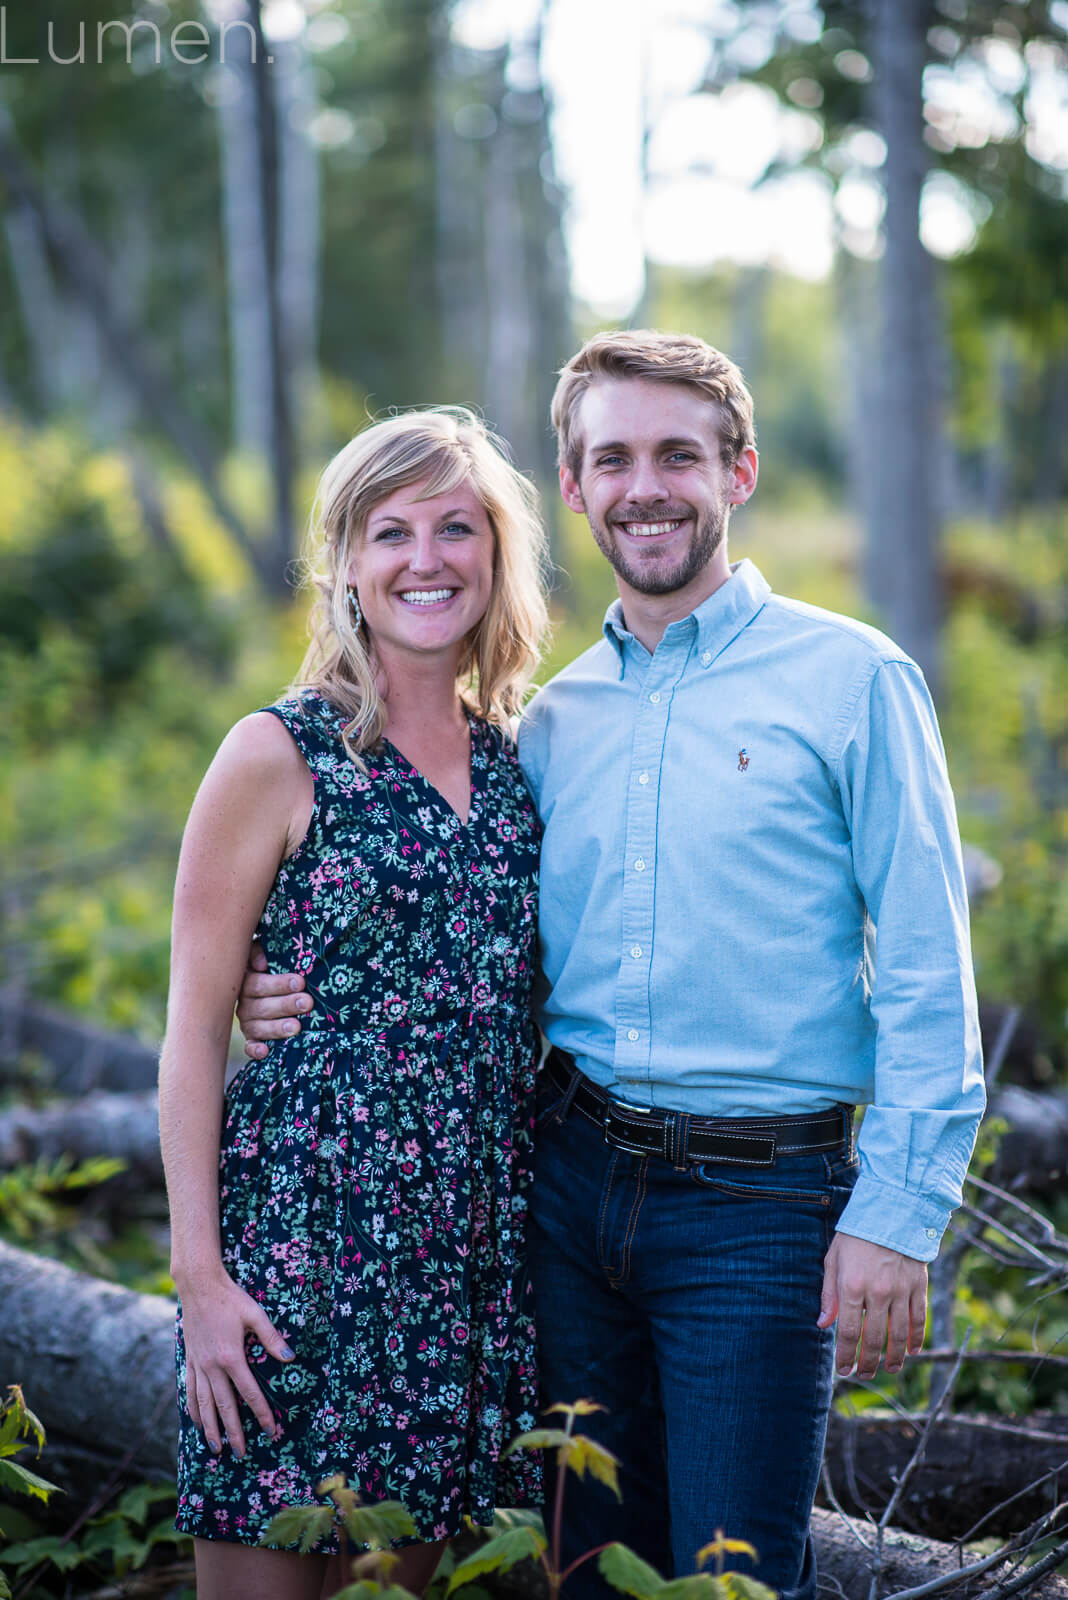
636	951
632	1035
706	658
643	777
655	697
639	865
932	1233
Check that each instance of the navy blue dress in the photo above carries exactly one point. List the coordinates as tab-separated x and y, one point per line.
374	1170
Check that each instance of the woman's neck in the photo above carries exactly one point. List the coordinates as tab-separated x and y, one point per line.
421	694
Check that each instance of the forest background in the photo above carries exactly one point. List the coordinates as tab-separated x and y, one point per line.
233	231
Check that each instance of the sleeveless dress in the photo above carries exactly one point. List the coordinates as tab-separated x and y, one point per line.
374	1170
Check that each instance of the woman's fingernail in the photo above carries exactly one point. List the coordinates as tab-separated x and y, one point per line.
295	983
287	1353
215	1447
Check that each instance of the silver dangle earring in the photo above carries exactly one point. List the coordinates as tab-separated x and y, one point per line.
357	614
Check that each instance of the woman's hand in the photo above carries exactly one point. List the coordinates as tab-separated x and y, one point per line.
216	1321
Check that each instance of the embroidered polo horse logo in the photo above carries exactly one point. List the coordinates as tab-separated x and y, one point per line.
743	761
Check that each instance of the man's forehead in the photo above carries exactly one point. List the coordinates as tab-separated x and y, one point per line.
618	411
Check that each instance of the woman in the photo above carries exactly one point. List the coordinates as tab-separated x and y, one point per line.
349	1262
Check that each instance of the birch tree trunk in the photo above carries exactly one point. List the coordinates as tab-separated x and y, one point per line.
902	564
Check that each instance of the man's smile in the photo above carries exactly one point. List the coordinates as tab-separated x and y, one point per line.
650	530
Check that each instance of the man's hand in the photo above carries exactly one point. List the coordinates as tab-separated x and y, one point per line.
269	1004
883	1291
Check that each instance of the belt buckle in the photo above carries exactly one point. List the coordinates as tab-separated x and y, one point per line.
616	1139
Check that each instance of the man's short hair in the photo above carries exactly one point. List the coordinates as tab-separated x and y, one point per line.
666	358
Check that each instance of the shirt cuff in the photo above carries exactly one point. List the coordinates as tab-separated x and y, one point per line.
899	1219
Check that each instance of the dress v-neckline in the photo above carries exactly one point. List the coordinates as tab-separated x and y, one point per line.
462	822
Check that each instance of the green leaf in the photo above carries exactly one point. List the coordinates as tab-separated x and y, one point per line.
5	1588
540	1439
380	1524
64	1555
18	1479
620	1567
498	1555
739	1586
367	1589
305	1525
583	1455
136	1502
695	1586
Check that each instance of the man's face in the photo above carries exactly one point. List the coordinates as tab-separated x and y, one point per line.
653	485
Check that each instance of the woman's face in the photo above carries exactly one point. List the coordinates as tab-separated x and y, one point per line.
423	571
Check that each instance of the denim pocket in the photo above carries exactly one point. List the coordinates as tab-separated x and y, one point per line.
793	1180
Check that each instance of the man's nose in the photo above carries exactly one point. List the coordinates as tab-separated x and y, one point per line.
646	481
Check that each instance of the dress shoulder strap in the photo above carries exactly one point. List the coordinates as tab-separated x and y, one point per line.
314	724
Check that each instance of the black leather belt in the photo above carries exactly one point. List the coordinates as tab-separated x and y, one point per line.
678	1137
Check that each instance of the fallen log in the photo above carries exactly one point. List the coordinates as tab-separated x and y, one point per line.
1033	1153
98	1124
96	1363
79	1056
844	1561
975	1469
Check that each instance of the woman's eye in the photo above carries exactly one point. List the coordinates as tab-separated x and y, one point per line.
389	533
456	527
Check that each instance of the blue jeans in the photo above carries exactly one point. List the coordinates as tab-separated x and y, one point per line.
685	1301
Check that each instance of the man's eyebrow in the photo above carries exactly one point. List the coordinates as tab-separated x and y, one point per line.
661	444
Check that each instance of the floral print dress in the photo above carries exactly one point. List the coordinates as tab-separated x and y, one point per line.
374	1170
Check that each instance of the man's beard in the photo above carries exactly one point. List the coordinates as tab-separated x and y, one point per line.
646	575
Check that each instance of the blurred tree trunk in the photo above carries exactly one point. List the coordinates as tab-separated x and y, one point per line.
902	561
300	231
280	448
74	252
509	347
856	297
247	289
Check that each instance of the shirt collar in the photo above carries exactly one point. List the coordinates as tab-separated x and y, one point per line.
718	620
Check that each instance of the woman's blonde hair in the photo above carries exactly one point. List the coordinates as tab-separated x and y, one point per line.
440	448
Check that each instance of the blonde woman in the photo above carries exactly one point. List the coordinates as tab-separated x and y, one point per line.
349	1251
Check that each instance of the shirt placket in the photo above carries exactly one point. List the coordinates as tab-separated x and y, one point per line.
634	1039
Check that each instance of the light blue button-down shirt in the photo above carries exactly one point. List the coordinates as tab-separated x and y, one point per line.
728	822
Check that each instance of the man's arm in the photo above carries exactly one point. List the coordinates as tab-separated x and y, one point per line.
918	1133
269	1004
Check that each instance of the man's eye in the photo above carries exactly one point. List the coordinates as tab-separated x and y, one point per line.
680	455
609	461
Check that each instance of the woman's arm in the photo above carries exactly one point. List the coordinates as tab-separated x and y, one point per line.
251	810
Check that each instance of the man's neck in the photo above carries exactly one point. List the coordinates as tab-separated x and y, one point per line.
647	616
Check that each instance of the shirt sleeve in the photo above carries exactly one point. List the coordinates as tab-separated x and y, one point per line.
918	1134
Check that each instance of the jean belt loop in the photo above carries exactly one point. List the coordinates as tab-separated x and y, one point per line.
682	1140
569	1095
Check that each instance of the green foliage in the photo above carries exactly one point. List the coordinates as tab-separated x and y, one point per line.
19	1426
1006	729
515	1536
32	1201
112	1545
499	1555
372	1528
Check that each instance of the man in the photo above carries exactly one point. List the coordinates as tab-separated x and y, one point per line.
739	793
